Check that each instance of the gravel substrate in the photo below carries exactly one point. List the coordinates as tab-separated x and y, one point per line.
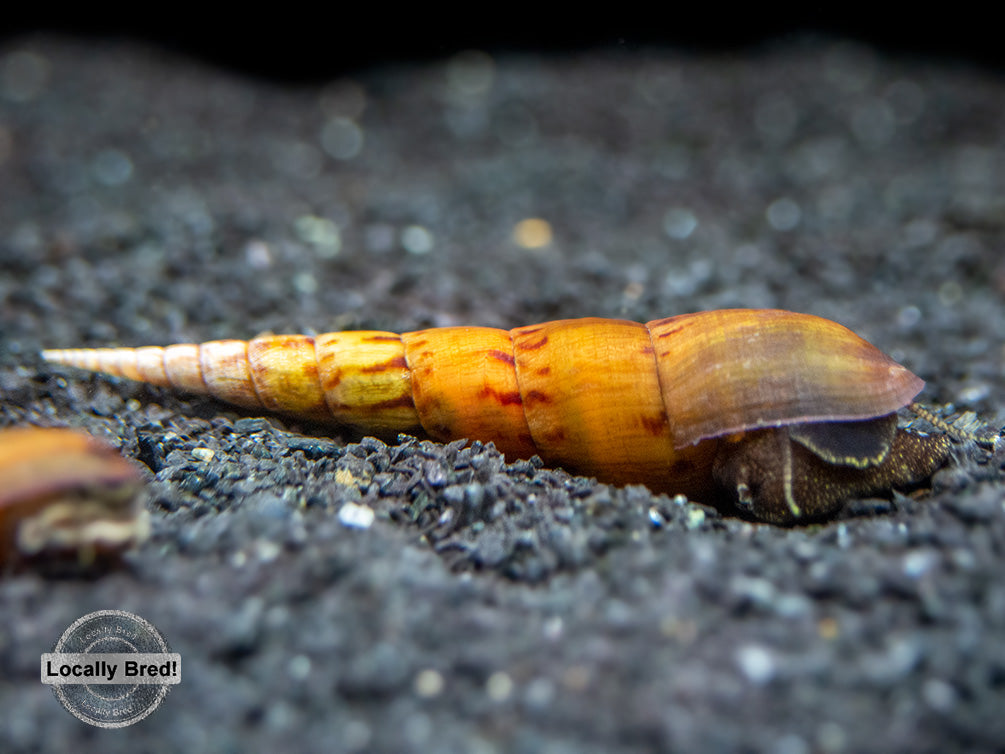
491	607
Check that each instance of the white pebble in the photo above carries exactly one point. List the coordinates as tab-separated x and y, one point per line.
203	454
756	662
356	516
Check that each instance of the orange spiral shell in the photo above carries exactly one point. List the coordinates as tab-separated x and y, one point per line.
624	401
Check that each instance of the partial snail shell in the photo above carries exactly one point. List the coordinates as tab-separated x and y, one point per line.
65	495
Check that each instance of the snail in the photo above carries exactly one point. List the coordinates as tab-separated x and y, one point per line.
66	496
786	415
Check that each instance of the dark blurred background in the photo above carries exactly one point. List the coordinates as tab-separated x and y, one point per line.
296	44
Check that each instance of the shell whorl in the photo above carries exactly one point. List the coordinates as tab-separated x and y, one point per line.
369	388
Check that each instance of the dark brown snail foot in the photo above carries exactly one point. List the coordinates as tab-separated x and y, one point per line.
805	471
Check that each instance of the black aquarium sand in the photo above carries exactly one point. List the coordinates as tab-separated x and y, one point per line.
328	592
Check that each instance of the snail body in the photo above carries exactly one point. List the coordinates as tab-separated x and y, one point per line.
785	414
